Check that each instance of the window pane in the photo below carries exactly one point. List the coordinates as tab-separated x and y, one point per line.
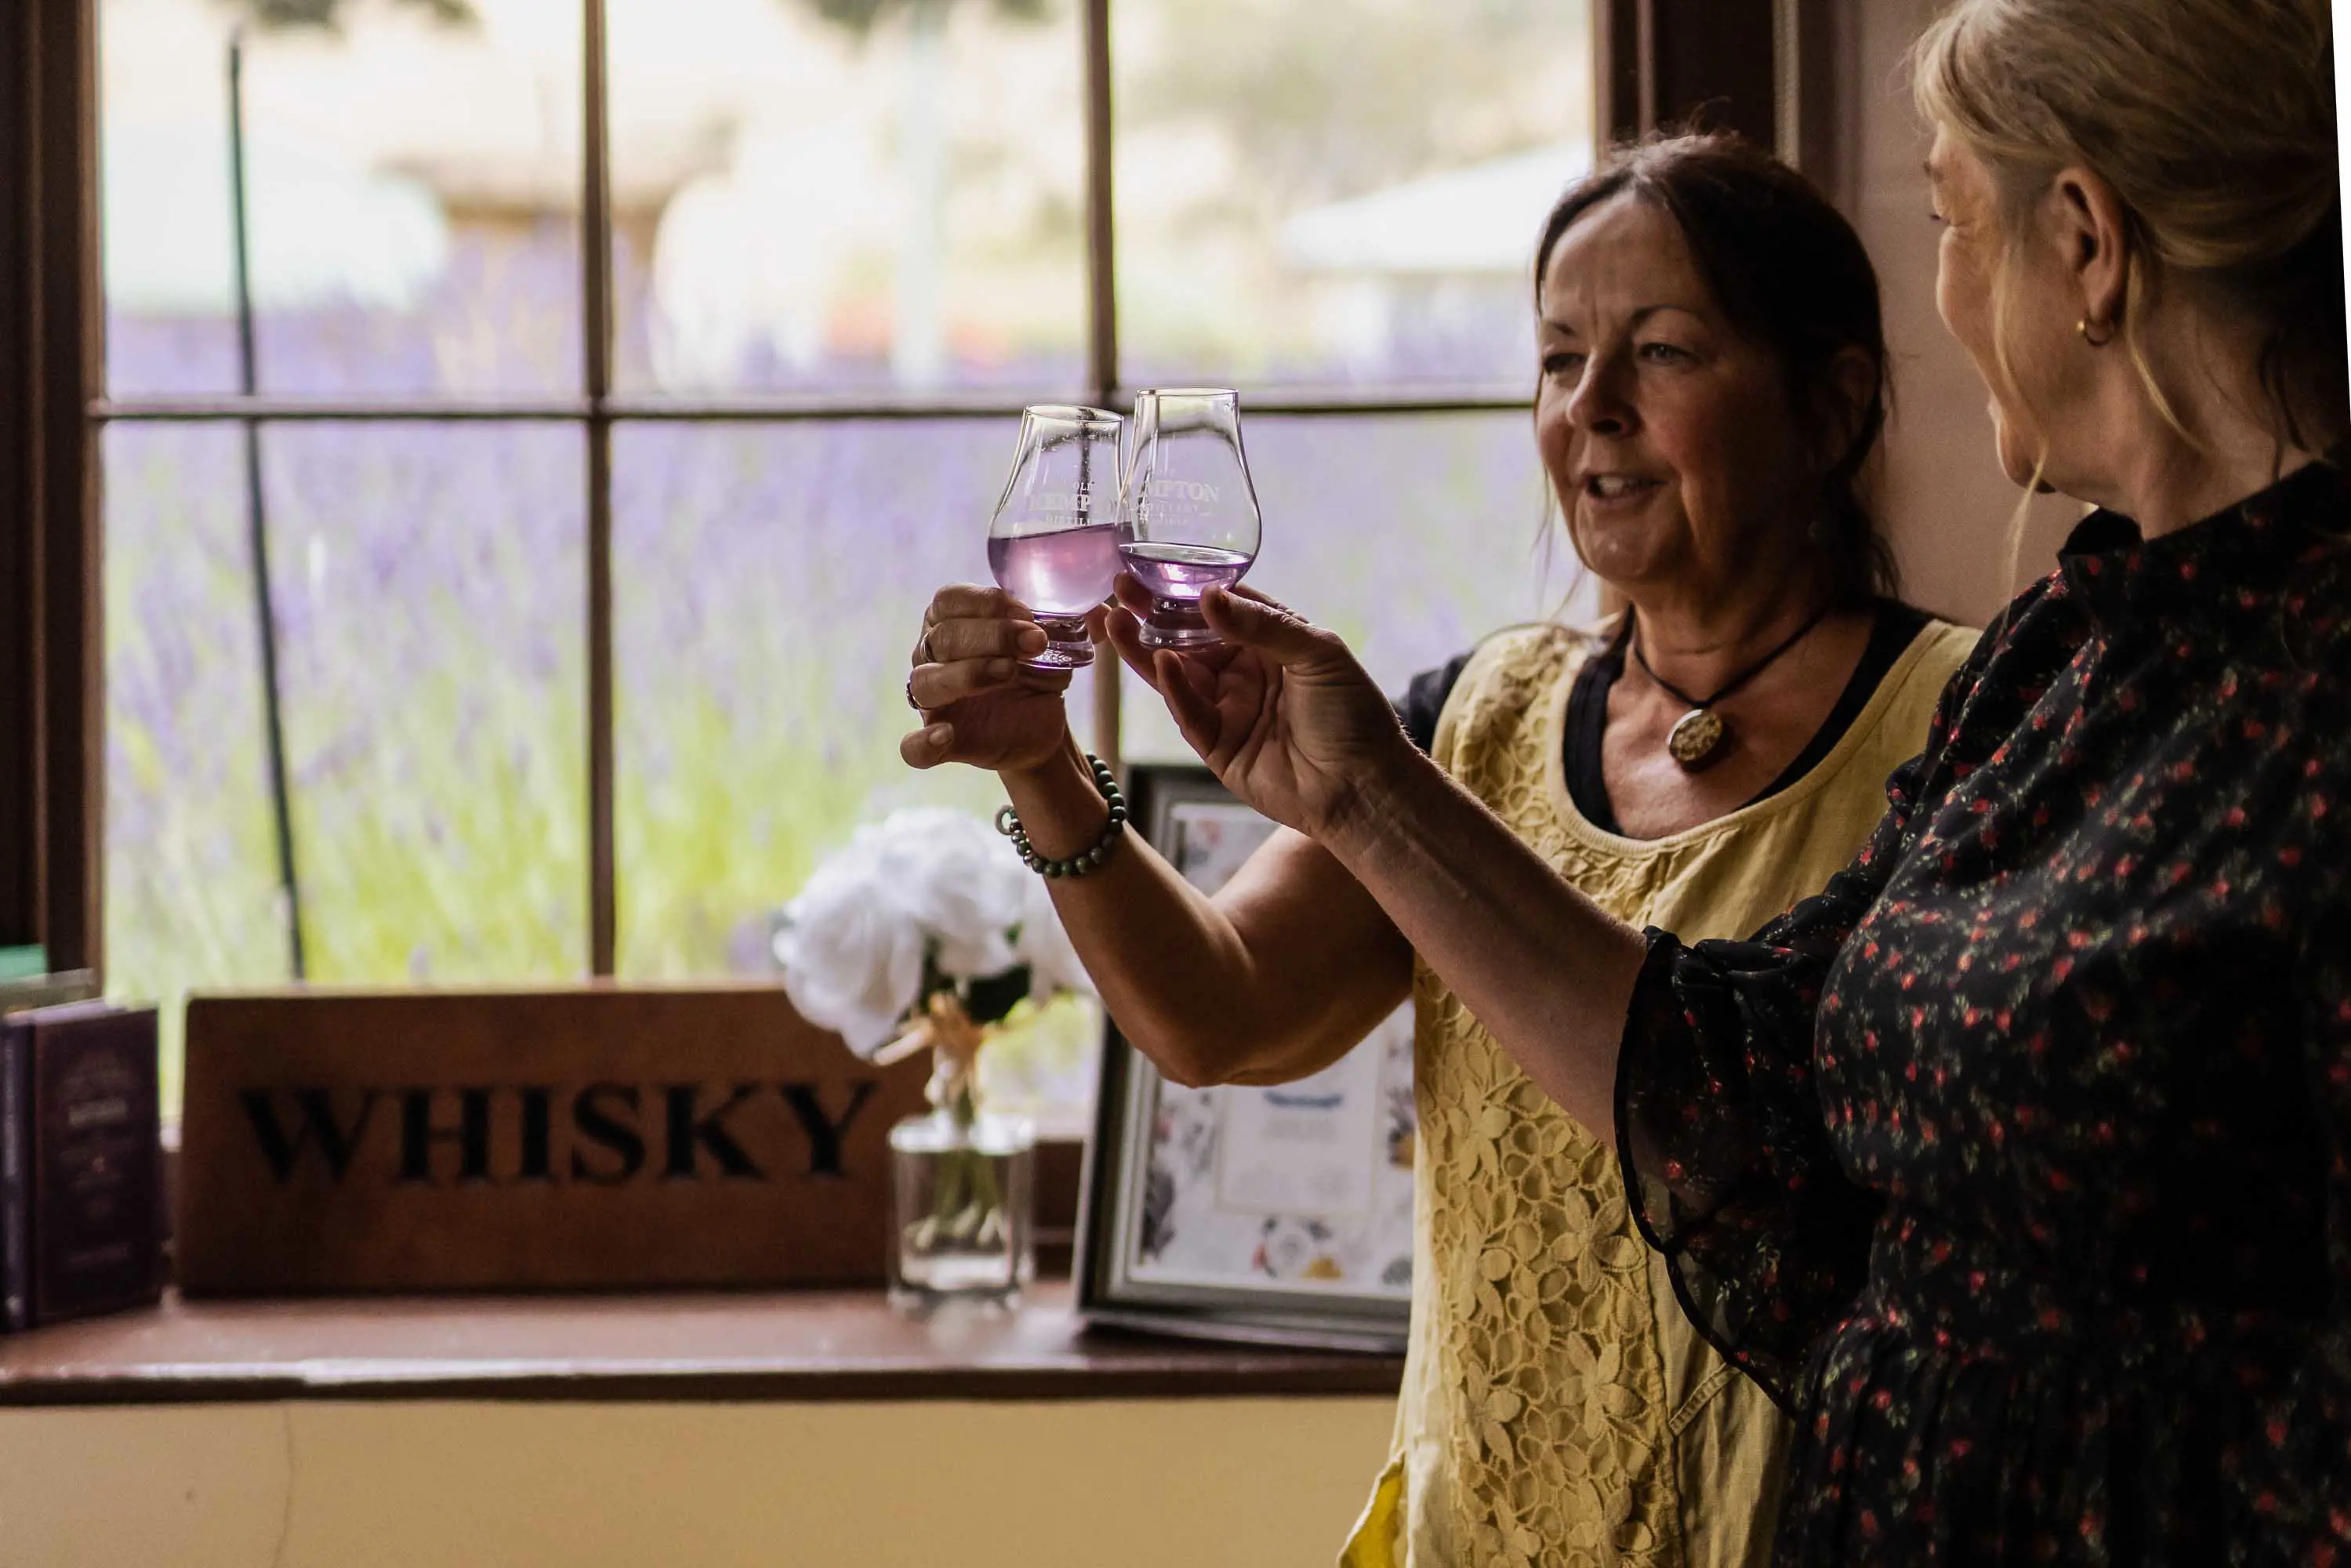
429	589
846	194
192	897
1413	536
769	582
1327	196
413	190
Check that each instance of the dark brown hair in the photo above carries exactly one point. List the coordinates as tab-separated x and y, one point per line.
1788	272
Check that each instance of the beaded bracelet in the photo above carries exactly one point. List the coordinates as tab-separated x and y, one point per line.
1007	822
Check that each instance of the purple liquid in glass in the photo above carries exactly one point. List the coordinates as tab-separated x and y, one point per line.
1064	573
1182	572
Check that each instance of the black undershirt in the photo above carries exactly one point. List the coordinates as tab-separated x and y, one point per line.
1898	625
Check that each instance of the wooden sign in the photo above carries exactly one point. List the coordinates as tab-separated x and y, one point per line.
593	1137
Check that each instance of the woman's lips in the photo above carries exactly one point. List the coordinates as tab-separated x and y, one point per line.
1618	492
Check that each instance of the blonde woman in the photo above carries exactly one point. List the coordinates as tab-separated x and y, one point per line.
1712	387
2016	1163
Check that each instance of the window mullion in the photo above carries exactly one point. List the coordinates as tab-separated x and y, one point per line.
1102	302
596	332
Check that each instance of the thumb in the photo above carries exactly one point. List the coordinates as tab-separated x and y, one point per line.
1274	630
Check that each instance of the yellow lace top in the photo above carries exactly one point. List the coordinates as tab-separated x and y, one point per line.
1557	1406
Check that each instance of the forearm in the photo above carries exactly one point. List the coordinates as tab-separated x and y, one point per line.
1210	999
1545	969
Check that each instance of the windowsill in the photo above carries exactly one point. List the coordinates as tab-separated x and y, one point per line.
804	1346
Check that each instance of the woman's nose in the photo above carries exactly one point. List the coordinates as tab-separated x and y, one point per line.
1599	406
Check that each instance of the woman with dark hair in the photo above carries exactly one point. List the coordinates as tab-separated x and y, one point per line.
1712	386
2015	1162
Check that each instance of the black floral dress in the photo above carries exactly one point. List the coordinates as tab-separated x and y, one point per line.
2014	1164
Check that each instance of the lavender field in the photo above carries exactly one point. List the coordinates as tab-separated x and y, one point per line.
769	580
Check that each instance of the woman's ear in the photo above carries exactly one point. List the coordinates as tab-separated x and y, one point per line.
1851	385
2091	225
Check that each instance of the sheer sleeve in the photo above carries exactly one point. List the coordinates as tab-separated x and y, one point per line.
1719	1127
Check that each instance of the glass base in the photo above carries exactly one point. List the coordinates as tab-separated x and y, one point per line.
982	1295
1067	646
1174	624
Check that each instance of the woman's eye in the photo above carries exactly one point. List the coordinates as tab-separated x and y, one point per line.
1664	353
1562	363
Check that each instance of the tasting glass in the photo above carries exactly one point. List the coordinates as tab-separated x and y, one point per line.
1051	543
1187	520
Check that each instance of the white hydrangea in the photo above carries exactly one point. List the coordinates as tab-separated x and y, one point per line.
851	955
852	943
961	879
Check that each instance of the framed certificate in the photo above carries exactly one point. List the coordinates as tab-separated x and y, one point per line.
1278	1213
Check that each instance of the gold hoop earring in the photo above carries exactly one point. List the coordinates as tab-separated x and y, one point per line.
2083	327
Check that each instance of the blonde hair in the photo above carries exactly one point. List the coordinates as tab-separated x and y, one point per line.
2214	122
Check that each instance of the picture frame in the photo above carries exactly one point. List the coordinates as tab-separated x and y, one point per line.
1280	1215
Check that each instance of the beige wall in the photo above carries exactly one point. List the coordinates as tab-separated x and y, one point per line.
1945	501
1178	1483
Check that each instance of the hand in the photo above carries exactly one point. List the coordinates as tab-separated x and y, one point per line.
980	704
1281	711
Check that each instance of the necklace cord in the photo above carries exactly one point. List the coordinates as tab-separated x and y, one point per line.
1745	676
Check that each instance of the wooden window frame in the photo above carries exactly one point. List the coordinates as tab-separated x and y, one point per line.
52	702
1655	62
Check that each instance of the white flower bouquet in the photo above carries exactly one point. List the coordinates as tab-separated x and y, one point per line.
925	930
927	902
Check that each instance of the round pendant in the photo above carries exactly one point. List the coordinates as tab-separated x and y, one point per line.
1696	738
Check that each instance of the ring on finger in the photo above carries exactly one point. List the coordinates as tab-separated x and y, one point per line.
910	694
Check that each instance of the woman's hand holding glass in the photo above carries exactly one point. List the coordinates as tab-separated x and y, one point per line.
980	703
1280	710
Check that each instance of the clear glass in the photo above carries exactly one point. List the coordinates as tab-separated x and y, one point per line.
1052	543
964	1200
1319	195
844	195
412	180
1411	534
1188	519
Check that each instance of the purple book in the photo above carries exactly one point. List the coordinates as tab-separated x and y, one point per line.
80	1195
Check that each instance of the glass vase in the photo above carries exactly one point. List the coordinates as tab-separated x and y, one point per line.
964	1199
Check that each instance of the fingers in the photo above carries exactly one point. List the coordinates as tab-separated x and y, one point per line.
1252	620
1126	634
1242	615
942	686
950	641
973	602
1186	682
966	622
928	746
1243	591
1190	695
